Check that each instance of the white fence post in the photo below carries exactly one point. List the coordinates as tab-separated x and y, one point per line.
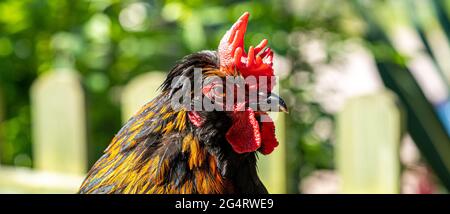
139	91
272	167
368	139
59	127
2	112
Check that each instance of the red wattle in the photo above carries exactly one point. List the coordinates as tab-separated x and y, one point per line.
247	135
244	134
269	141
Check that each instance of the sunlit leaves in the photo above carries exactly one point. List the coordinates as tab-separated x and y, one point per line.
6	47
193	33
133	17
13	15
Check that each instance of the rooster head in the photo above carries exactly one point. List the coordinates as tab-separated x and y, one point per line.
251	129
247	100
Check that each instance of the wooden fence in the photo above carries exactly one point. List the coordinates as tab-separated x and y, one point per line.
367	154
368	141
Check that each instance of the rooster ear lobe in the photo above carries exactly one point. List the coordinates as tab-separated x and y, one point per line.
233	39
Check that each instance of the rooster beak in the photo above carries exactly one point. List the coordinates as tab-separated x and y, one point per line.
281	105
272	103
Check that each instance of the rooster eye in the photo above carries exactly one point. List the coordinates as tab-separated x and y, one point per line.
214	89
218	91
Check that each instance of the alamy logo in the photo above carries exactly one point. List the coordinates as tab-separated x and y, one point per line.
230	93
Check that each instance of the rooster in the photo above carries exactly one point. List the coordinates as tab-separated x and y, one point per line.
163	149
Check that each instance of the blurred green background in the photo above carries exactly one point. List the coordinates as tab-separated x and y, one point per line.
328	52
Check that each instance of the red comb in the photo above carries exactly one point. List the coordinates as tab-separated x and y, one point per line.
258	60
